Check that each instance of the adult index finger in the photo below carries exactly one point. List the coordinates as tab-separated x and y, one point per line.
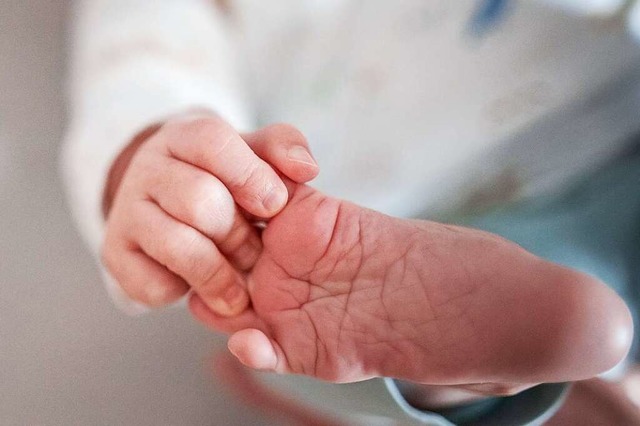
213	145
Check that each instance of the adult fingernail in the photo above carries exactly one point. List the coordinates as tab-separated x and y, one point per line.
233	302
275	199
301	155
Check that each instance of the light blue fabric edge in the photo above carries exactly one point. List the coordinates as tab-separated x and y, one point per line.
430	418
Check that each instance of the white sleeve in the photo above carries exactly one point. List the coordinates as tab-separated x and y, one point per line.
133	63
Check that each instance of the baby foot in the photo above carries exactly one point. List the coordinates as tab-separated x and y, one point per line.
343	294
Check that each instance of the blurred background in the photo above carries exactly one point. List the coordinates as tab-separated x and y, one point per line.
67	356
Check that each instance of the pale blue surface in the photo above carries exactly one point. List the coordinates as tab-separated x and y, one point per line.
593	227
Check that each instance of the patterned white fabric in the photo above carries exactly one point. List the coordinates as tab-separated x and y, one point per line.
406	110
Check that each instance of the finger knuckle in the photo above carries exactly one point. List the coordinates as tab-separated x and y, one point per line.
191	125
284	131
210	130
252	183
237	236
209	206
149	293
157	294
201	199
206	275
190	257
208	127
177	248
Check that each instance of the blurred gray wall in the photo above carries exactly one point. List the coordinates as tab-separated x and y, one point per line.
67	357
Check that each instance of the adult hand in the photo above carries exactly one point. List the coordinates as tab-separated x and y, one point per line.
177	204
